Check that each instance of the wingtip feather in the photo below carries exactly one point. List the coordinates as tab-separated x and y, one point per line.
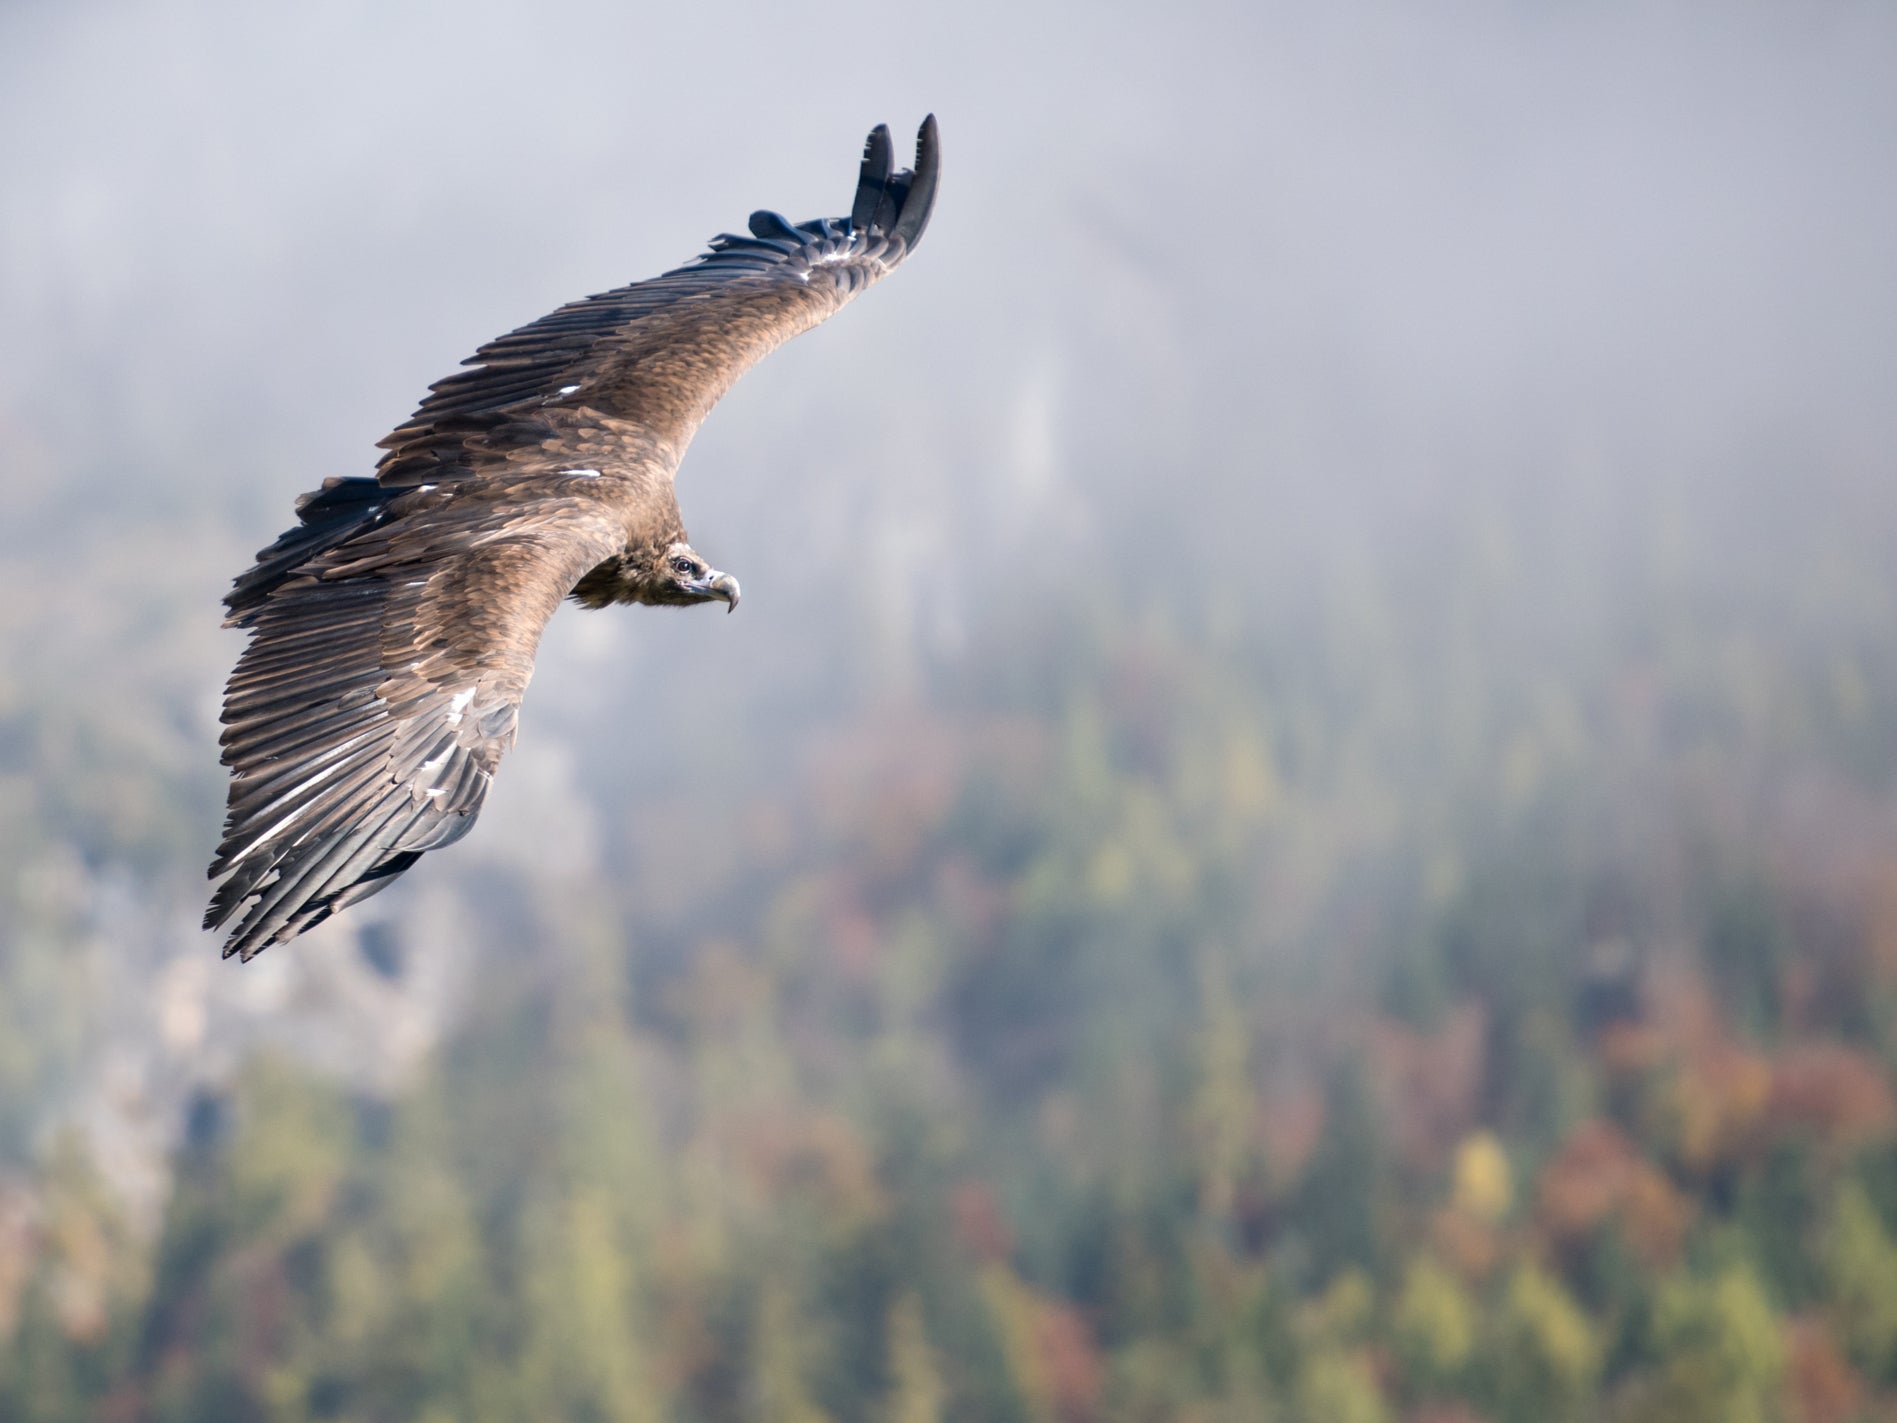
873	181
919	202
773	227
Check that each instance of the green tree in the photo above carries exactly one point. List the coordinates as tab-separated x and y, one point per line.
1434	1327
915	1391
1860	1266
1719	1350
1544	1356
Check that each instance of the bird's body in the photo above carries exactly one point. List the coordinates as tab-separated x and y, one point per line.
394	629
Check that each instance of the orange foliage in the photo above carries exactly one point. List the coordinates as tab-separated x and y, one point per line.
1839	1093
1655	1217
1587	1179
1050	1351
1597	1174
1716	1102
1716	1106
1820	1387
1630	1049
1074	1371
1724	1101
1289	1128
1469	1245
1683	1008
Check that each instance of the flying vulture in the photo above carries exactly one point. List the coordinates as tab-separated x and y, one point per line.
392	632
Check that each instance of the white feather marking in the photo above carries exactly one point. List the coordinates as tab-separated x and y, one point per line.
328	753
456	703
268	835
582	473
337	761
331	769
568	389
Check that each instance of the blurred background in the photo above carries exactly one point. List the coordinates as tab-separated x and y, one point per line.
1299	822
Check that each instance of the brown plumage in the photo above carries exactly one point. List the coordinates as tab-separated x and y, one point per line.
393	630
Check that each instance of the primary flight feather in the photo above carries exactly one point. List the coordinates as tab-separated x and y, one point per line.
393	630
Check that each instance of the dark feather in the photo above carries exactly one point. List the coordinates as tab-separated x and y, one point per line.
873	181
393	629
767	224
919	202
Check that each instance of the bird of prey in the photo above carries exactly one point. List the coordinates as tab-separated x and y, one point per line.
393	630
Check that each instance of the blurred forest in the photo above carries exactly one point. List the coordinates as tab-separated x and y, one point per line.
1299	824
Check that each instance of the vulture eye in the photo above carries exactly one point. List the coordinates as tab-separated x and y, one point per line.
683	567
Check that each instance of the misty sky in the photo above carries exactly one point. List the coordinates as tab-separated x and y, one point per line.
1329	244
1255	314
1211	291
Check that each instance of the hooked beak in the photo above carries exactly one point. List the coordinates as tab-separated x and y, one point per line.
726	587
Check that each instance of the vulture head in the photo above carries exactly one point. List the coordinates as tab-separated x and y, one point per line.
665	575
682	578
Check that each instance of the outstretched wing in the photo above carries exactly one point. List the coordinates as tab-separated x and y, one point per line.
393	635
660	353
394	630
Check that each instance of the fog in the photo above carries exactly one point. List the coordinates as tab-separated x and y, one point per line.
1469	354
1303	268
1220	290
1220	307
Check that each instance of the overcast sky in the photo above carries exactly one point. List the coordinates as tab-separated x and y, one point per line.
1208	287
237	241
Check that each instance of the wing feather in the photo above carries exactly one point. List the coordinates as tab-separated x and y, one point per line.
378	695
660	353
393	629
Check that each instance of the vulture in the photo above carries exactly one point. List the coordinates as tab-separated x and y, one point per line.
392	631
